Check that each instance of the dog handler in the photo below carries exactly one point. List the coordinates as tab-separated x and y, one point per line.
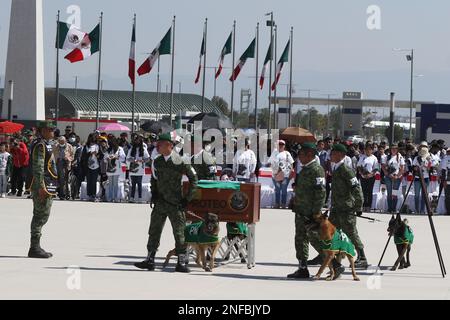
346	200
167	197
309	199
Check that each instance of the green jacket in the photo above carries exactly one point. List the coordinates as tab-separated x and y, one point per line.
167	177
310	191
346	192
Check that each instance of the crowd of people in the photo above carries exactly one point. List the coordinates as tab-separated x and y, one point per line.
103	158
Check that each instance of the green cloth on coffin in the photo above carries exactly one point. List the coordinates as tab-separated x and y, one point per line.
193	234
205	184
339	243
407	238
238	229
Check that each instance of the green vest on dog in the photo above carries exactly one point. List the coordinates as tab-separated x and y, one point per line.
339	243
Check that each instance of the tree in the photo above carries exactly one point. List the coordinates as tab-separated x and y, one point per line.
398	133
220	103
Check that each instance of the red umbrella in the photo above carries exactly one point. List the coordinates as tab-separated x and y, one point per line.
10	127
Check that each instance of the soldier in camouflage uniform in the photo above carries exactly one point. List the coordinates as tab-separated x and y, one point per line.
43	184
167	198
309	199
346	200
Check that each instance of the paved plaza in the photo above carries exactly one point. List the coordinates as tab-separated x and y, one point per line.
96	244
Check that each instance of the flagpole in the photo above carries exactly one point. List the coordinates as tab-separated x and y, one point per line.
256	76
158	92
275	110
97	119
290	77
173	64
232	68
133	98
205	35
58	44
270	75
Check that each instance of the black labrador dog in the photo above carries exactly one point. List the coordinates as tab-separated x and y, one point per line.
403	238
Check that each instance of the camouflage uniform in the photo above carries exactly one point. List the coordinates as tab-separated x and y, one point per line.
309	199
346	199
167	195
43	177
205	165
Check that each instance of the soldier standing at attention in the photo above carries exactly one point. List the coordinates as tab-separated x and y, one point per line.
346	200
167	197
309	199
43	184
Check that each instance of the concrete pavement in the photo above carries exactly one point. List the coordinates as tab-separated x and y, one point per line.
96	244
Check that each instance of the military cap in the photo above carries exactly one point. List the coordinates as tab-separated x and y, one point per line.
309	145
46	125
339	148
165	137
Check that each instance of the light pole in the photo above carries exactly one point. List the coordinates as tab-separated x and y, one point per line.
410	58
328	95
309	106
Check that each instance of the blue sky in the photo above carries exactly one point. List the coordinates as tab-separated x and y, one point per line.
334	49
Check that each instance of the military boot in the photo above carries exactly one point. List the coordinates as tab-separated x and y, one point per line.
181	265
147	264
301	273
361	262
317	261
36	252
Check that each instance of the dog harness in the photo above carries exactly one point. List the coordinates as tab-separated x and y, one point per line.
408	237
193	233
339	243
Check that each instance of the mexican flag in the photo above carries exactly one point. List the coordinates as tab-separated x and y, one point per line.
265	67
284	58
68	36
249	53
225	51
89	45
164	47
132	59
202	53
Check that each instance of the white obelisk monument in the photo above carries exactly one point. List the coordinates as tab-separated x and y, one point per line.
25	62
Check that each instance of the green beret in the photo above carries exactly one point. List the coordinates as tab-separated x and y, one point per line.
339	148
309	145
46	125
165	137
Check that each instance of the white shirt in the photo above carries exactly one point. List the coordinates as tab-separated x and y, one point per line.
445	163
347	161
138	157
245	160
93	160
395	162
120	154
281	160
370	164
426	165
3	162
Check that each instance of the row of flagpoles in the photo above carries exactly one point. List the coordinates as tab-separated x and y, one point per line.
82	45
